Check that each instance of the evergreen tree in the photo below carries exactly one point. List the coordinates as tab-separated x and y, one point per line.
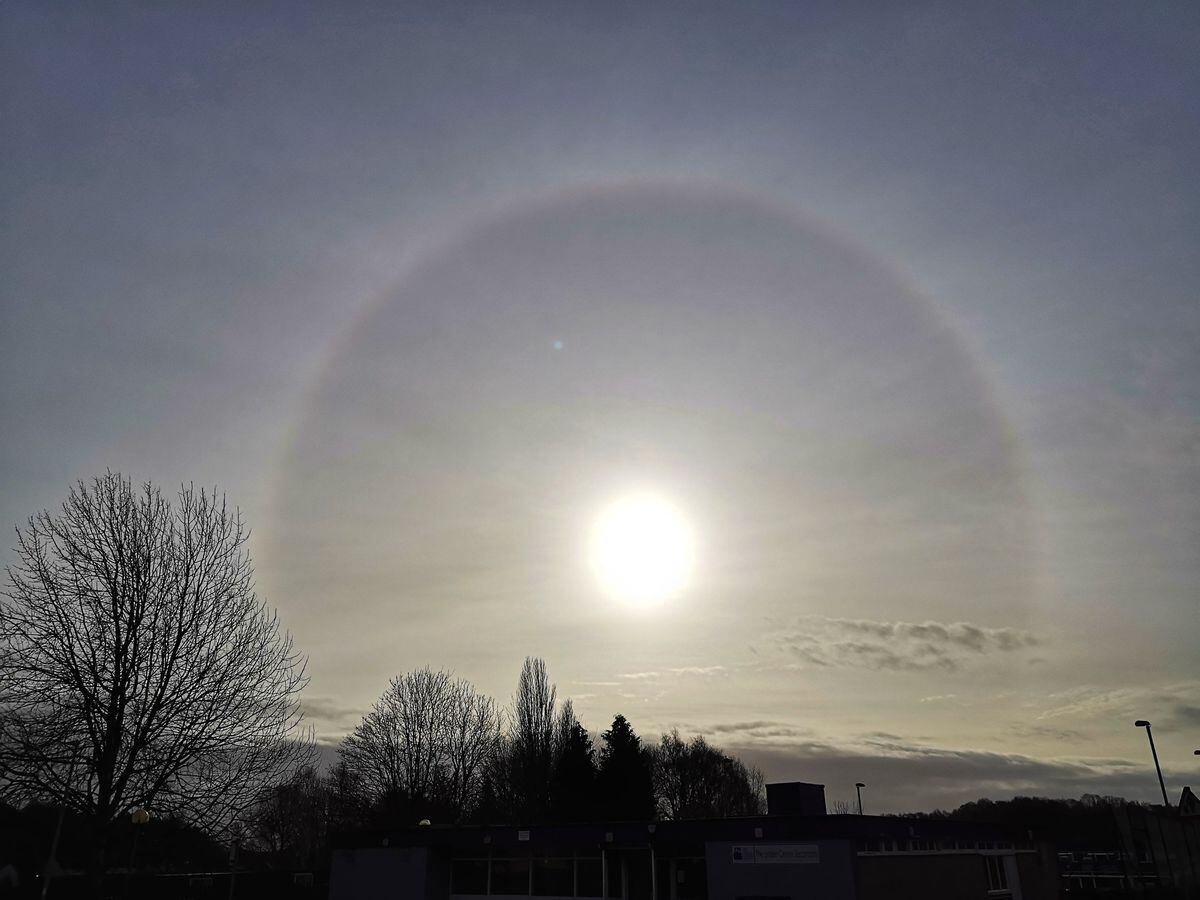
573	789
626	783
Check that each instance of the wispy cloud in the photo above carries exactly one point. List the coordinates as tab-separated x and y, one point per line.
676	671
757	730
1188	714
898	646
1047	731
1173	703
726	727
329	715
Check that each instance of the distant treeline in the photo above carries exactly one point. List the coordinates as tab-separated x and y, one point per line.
433	748
1027	810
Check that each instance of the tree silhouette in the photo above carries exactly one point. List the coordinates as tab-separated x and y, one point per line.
137	665
694	780
573	788
421	750
292	820
625	780
531	742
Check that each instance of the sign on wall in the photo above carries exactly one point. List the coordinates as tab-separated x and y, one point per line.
776	853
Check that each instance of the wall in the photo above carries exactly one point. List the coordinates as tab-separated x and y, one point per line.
832	878
1039	873
381	873
919	876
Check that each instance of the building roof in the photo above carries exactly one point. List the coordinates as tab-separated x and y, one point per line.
692	831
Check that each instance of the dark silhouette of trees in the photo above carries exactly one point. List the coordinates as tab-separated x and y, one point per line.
625	779
1023	810
346	801
291	825
422	750
518	783
573	795
693	780
432	747
472	736
564	721
137	665
532	741
163	845
291	821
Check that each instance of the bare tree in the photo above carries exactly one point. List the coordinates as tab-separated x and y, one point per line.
472	736
564	721
424	743
696	780
841	808
533	739
291	821
137	665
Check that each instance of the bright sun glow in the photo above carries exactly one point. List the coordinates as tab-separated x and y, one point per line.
642	549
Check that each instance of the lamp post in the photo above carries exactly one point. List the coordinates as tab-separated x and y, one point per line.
138	817
233	856
858	786
52	860
1142	723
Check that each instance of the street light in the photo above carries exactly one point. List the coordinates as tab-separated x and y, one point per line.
1142	723
858	786
138	817
236	829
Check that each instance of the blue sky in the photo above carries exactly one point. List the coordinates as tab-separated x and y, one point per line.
898	305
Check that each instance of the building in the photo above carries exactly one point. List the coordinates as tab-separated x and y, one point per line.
781	857
1130	850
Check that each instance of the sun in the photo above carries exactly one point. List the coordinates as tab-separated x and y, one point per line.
642	549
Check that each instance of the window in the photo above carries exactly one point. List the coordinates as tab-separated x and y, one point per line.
468	876
639	877
997	878
510	876
662	877
616	889
553	878
589	877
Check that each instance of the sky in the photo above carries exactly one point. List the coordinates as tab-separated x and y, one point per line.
896	307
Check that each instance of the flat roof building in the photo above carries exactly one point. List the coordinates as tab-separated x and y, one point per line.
772	857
